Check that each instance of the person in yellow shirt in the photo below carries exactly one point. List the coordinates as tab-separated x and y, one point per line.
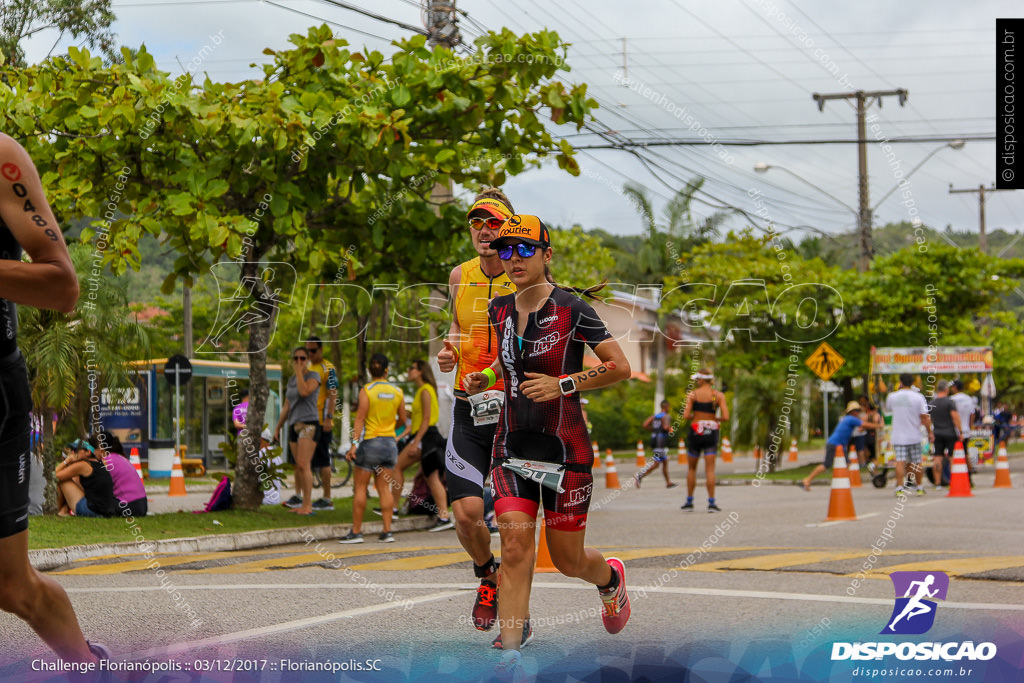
423	442
381	407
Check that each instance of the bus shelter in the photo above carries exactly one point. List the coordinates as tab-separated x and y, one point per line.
143	416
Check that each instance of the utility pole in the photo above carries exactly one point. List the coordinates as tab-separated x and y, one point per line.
867	249
441	23
440	20
982	242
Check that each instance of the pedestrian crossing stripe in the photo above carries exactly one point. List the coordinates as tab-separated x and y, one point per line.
432	557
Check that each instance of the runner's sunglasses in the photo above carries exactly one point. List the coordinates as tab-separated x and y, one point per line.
525	250
478	223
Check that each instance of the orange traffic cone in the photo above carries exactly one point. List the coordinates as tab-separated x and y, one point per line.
793	451
136	461
641	461
177	478
597	457
682	452
544	564
757	452
854	469
1002	469
959	482
726	450
611	477
840	501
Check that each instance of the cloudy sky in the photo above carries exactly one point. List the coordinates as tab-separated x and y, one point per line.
743	70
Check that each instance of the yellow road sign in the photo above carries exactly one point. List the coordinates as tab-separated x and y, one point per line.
825	361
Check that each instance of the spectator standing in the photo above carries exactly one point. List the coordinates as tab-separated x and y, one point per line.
945	430
326	400
381	408
909	411
303	428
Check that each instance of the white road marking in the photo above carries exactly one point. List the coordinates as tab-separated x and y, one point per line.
859	517
457	588
284	627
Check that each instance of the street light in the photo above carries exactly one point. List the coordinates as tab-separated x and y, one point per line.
955	144
762	167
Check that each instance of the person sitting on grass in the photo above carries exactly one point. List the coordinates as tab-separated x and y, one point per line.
85	488
129	491
840	438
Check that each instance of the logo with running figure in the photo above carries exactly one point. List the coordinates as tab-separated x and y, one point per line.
914	612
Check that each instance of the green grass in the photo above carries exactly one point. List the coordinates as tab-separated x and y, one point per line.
790	474
59	532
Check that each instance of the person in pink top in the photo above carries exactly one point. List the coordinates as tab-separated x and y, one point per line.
129	491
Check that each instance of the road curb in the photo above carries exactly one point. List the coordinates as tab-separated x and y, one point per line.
45	559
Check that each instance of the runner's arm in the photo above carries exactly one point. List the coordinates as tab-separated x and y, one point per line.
49	281
723	406
448	357
648	421
688	410
475	382
613	368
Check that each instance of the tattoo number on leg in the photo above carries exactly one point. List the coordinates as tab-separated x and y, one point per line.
39	220
20	190
52	234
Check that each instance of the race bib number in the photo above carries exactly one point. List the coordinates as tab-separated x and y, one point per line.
544	473
702	426
485	407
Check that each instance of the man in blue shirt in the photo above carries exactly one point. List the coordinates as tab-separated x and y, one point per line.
840	438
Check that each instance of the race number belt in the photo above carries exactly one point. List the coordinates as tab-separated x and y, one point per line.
544	473
702	426
485	407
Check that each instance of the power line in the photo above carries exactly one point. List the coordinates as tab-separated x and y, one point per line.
757	143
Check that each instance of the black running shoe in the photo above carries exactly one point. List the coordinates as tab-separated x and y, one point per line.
485	609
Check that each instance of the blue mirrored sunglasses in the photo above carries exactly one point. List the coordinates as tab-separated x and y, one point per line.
525	250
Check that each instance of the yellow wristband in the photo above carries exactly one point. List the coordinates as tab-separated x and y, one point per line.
492	378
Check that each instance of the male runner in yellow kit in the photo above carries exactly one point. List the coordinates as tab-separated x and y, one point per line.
471	346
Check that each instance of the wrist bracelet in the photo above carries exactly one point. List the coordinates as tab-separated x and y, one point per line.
491	377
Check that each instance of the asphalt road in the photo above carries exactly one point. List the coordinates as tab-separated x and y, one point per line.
763	588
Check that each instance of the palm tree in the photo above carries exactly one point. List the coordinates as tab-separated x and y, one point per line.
73	356
661	255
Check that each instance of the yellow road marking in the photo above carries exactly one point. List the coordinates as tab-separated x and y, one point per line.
776	560
638	553
956	567
418	562
159	560
294	561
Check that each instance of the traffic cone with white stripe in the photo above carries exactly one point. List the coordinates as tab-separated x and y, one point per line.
597	457
611	477
136	462
840	501
793	451
726	450
854	469
177	487
757	452
682	452
959	481
1002	469
641	461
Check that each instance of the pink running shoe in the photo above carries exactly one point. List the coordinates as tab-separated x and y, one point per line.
616	602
